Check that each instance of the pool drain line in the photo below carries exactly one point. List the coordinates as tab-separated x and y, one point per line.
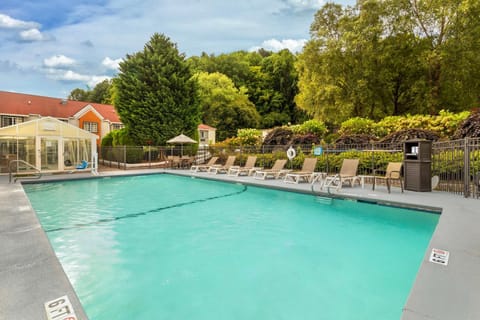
139	214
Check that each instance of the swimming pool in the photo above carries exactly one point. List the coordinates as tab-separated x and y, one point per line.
169	247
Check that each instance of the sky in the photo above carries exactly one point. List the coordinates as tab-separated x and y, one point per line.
51	47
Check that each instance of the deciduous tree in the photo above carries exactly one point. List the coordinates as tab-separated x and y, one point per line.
392	57
224	106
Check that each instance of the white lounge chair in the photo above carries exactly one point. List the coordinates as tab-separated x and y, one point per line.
204	167
274	173
347	174
304	175
247	169
223	169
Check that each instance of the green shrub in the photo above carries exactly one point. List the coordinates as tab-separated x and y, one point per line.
229	144
315	127
107	140
267	160
121	138
444	124
357	125
386	126
249	137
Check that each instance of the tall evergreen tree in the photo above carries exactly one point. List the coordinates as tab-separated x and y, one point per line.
155	93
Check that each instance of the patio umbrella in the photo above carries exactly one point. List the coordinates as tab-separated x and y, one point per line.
181	140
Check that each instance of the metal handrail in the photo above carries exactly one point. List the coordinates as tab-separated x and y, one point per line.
37	175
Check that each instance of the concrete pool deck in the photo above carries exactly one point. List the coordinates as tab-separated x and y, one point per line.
31	274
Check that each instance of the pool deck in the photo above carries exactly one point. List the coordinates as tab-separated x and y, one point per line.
31	274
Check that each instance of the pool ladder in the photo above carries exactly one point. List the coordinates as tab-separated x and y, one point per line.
322	199
33	173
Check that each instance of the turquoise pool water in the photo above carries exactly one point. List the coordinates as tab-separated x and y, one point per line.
169	247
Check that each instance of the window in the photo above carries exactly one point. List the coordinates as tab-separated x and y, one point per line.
203	136
10	120
90	126
117	126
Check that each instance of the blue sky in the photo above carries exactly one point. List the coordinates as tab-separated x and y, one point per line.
51	47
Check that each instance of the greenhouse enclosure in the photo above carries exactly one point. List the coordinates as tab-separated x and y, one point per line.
48	145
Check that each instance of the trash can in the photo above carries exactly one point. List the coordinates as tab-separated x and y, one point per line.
418	165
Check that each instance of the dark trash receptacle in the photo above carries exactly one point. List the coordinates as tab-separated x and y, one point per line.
418	165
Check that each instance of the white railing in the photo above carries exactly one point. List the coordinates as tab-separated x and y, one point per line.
34	173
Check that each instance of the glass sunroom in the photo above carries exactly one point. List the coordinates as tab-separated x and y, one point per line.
48	144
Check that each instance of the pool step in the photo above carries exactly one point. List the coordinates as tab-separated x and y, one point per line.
324	200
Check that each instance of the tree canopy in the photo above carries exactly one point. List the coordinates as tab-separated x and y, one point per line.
224	106
268	79
392	57
155	94
99	94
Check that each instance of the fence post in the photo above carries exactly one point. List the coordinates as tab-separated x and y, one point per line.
466	168
326	159
373	158
263	155
118	159
149	157
125	157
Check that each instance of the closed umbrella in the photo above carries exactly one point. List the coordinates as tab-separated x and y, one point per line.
181	140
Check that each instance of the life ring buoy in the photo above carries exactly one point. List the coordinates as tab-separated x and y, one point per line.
291	153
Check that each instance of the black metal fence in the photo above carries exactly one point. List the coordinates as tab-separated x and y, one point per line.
456	163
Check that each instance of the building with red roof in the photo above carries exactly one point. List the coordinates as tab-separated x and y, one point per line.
206	134
96	118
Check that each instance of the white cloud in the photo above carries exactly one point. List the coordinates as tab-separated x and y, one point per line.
305	4
111	64
32	35
277	45
58	61
94	80
8	22
73	76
